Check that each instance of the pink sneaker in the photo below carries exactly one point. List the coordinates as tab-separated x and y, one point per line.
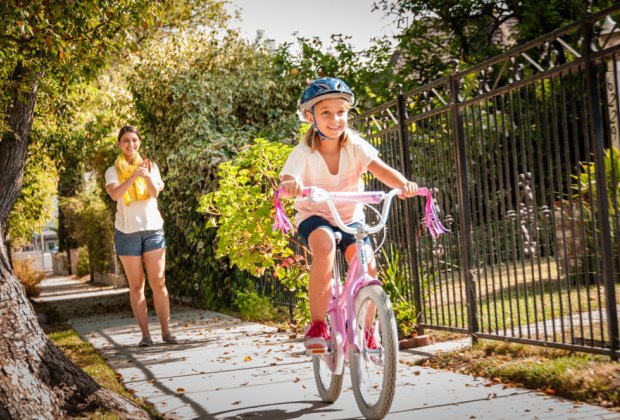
316	337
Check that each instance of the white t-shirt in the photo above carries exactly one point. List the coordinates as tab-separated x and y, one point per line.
139	215
310	168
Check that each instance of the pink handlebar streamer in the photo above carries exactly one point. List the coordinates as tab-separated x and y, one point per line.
281	221
431	218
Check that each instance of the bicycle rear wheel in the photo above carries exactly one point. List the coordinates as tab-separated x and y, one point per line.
373	370
326	375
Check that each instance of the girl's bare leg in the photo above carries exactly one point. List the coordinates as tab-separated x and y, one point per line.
155	262
323	247
135	276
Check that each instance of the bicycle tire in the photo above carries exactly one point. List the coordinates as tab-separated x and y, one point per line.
328	382
374	396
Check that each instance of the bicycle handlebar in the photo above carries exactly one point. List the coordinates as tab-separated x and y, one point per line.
319	195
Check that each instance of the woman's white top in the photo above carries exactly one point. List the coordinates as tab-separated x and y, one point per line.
139	215
310	168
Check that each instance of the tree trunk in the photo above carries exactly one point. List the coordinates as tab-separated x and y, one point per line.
36	379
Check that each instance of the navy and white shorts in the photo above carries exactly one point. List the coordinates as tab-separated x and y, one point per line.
312	223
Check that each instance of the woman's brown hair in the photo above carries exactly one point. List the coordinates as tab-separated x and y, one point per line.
128	129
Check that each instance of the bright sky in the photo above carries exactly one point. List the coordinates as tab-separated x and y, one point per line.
281	18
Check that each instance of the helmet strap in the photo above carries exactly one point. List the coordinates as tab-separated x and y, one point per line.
316	128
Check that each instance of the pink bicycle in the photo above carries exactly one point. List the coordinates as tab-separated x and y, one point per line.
360	319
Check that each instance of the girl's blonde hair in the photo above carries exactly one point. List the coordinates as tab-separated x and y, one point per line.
313	139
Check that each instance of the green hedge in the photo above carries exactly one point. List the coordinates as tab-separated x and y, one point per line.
199	100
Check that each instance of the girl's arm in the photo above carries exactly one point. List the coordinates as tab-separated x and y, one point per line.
392	178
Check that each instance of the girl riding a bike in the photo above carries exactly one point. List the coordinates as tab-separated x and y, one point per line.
333	157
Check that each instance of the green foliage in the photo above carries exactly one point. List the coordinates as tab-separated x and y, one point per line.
394	277
586	187
54	44
437	34
83	265
90	225
195	89
244	214
253	307
199	99
368	72
34	206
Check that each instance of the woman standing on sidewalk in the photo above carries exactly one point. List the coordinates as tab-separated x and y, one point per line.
134	183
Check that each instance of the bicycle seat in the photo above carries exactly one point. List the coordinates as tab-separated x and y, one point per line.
338	237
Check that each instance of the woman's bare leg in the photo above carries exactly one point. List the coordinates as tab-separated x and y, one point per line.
135	276
155	262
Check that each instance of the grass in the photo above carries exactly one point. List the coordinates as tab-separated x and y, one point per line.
577	376
84	355
533	294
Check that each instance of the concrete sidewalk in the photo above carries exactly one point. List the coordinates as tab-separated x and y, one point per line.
225	368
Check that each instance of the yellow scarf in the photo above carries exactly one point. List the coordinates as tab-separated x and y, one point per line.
138	190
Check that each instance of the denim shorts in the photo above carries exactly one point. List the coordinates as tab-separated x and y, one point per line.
137	243
312	223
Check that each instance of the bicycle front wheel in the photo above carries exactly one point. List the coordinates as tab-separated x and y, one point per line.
373	366
328	373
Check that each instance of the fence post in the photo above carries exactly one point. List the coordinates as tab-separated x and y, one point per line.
463	194
598	145
405	155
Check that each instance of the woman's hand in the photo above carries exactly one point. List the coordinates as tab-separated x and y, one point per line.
147	164
143	170
409	189
292	187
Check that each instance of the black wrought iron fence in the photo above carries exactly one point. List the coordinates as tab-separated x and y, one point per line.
521	152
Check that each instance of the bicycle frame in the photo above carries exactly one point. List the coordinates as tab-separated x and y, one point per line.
341	306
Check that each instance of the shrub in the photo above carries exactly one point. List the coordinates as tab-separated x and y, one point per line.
82	262
29	277
90	224
199	100
254	307
392	273
242	209
586	194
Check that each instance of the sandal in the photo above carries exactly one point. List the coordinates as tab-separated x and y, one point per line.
145	342
169	339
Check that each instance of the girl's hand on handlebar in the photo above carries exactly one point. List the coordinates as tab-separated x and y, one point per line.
409	189
292	187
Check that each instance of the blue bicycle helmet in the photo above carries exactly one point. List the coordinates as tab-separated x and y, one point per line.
324	88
